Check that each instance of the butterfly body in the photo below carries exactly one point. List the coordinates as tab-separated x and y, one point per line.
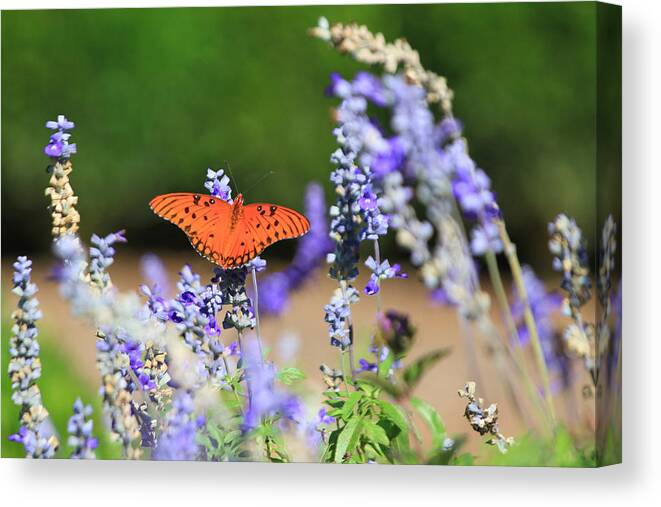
229	235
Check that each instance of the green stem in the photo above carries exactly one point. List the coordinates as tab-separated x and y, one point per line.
513	349
377	343
256	306
347	377
343	285
517	275
227	375
240	340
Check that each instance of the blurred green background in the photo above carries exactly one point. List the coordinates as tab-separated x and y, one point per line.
159	95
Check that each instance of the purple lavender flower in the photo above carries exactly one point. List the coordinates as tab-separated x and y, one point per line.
337	315
194	312
380	355
355	216
450	128
472	189
324	418
381	272
312	249
365	365
155	274
177	442
58	145
370	87
232	286
157	305
61	124
80	432
266	399
218	185
102	255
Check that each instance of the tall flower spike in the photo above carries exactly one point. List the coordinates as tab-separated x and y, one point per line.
177	442
80	426
35	431
194	311
102	256
571	258
116	389
311	251
64	215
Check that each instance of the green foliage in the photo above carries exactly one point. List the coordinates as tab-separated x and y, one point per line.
291	375
367	429
531	451
410	376
222	445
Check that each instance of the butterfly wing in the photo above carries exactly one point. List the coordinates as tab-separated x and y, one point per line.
261	225
204	218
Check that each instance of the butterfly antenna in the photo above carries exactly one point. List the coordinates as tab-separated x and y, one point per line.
229	170
261	178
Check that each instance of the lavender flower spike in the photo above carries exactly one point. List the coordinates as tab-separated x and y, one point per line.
311	251
80	432
63	200
35	433
102	256
58	146
177	442
266	399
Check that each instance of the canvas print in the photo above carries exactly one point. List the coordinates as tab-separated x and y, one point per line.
378	234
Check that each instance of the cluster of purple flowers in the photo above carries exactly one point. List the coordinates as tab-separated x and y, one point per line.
117	387
380	272
177	442
232	284
58	146
217	184
102	256
266	398
155	274
338	313
311	251
79	427
194	312
472	189
355	216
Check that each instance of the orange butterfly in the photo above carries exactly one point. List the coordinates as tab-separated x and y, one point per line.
229	234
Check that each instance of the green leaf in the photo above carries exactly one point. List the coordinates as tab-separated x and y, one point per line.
347	409
383	384
395	414
376	433
465	459
216	434
432	419
414	372
386	364
348	437
290	375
